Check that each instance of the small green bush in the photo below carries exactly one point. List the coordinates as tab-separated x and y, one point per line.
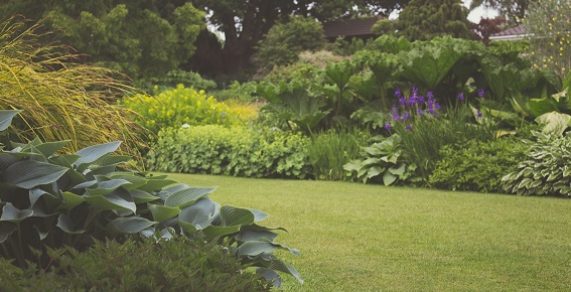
476	165
179	106
329	151
175	265
174	78
546	169
237	151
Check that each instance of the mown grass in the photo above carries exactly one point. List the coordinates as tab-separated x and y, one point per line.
357	237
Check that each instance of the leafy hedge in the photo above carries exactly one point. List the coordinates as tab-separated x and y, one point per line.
180	106
237	151
50	200
476	165
175	265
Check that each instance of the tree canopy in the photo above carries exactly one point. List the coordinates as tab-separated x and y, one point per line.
513	10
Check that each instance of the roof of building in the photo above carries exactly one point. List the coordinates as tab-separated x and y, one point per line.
514	33
350	27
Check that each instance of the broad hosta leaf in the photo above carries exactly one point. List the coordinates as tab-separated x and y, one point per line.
198	216
256	234
29	174
389	178
219	231
236	216
49	148
71	200
254	248
554	122
6	119
163	213
13	214
6	229
286	268
130	225
155	184
114	201
106	187
270	276
187	197
92	153
141	197
36	194
259	215
69	225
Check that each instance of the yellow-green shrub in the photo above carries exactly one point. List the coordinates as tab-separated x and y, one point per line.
179	106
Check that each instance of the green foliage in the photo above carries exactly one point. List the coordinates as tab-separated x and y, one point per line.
236	151
61	98
50	200
174	78
174	265
545	170
330	151
245	92
426	19
143	40
476	165
425	136
179	106
285	41
383	161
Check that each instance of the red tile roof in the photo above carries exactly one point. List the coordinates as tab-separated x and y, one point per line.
514	31
350	27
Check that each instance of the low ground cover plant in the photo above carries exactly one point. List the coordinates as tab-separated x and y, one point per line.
52	199
178	264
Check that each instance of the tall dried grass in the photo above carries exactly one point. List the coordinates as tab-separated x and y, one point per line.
61	98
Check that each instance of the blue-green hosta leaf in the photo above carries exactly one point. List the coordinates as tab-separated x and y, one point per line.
270	276
106	187
113	201
35	194
255	248
220	231
112	159
281	266
131	225
156	184
163	213
171	189
136	181
69	225
198	216
13	214
6	117
187	197
66	160
71	200
230	216
389	178
256	234
28	174
49	148
6	229
353	165
141	197
398	171
92	153
259	215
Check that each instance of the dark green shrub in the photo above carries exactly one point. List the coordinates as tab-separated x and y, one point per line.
476	165
175	77
330	151
50	200
237	151
178	264
546	169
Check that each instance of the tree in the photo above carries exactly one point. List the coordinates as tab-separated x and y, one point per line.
285	41
141	38
513	10
549	23
244	23
426	19
489	26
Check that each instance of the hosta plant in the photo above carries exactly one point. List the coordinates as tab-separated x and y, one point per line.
51	200
383	161
545	171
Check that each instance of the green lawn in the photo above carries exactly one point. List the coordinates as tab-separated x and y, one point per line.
357	237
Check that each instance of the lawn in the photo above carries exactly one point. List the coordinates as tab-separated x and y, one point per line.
357	237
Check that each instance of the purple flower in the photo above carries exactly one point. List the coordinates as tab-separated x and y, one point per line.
420	100
395	114
388	126
479	114
412	100
419	112
408	127
415	91
402	101
437	106
405	116
481	92
430	95
398	93
461	96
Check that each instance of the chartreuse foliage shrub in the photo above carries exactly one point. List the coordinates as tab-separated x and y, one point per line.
50	200
178	264
237	151
477	165
179	106
546	169
384	162
62	99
